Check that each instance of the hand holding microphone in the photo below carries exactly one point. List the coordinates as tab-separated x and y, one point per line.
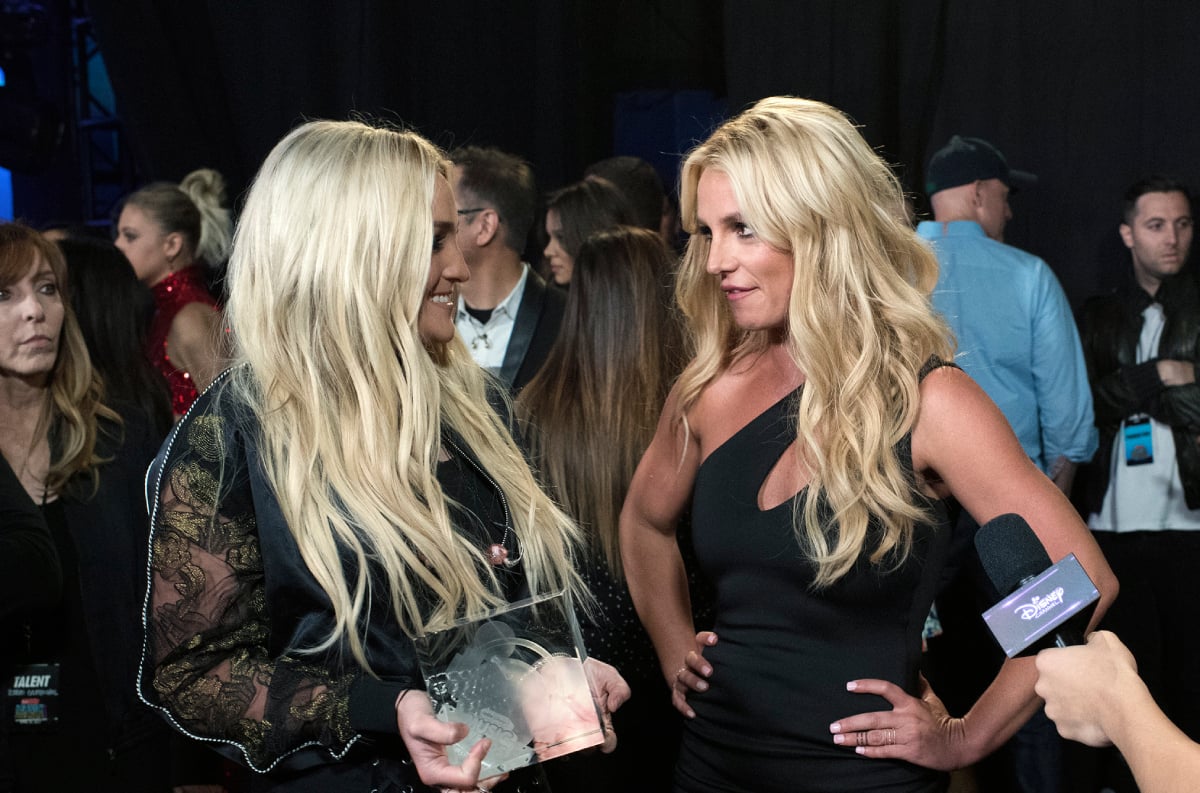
1085	687
1094	695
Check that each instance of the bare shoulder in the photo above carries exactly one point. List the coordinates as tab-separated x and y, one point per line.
956	422
195	342
738	395
948	391
195	317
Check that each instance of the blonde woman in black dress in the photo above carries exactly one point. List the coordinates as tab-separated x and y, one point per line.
815	435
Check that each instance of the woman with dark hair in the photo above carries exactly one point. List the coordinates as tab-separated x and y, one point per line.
114	310
573	213
587	416
170	234
84	465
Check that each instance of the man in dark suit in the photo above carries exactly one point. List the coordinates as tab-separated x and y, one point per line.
507	315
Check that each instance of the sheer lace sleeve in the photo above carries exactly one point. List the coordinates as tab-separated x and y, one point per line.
207	662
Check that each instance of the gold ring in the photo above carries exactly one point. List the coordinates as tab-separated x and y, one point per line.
890	736
862	738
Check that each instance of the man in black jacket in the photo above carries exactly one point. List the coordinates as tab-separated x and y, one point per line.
1141	493
507	315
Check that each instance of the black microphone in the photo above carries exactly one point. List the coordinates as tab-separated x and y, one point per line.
1044	605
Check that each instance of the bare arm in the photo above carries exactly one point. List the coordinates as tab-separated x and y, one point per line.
650	554
963	440
196	344
1094	695
957	422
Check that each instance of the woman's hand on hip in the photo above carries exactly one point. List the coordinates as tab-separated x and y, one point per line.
693	674
918	730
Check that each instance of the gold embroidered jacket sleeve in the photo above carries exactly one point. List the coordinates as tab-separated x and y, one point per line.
229	603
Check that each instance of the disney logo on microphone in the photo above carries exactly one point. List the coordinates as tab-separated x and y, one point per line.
1038	607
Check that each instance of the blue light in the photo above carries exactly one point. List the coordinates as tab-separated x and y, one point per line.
6	196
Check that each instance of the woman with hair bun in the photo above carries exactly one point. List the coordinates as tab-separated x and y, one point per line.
817	436
170	234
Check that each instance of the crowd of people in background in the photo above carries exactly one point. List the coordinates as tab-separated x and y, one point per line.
246	458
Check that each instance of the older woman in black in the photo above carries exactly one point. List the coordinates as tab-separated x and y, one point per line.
83	463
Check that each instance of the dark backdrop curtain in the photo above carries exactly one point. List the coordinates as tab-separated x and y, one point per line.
1088	94
218	82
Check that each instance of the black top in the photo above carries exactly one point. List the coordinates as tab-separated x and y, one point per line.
535	329
785	650
29	571
233	603
93	631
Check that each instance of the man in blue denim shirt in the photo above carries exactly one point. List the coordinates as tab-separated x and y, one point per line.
1017	339
1016	334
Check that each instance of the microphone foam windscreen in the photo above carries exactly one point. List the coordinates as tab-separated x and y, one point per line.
1010	552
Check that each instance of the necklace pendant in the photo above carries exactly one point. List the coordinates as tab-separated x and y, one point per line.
497	554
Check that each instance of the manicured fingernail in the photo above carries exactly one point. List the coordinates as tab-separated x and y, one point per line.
860	750
839	739
701	686
852	685
835	727
706	671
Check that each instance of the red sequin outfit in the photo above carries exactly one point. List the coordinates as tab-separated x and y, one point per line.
170	295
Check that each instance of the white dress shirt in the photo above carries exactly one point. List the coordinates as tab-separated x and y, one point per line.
488	341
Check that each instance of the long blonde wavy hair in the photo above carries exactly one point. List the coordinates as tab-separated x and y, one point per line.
327	278
74	391
859	321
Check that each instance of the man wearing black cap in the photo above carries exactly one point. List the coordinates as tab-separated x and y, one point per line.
1016	334
1017	339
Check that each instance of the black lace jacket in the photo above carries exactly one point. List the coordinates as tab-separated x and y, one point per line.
229	601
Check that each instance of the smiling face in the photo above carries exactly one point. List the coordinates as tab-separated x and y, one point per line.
31	320
562	264
447	269
756	277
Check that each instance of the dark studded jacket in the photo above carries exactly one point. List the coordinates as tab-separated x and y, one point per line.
1110	326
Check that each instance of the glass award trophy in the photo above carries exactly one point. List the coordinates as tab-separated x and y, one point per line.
515	676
